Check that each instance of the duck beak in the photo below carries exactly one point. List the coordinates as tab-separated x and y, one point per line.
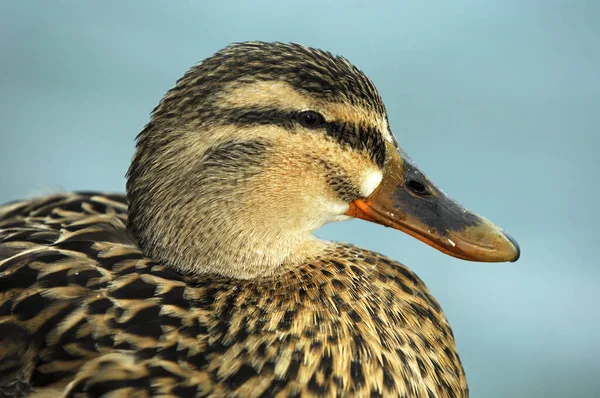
406	200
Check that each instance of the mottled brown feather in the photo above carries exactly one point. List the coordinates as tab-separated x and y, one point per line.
82	303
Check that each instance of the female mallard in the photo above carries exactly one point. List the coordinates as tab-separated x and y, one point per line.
207	281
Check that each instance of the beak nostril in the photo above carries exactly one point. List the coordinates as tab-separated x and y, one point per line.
417	187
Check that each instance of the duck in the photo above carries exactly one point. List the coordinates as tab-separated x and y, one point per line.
205	279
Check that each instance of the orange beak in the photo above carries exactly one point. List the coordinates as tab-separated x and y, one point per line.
406	200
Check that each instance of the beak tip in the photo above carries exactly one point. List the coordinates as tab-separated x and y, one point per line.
515	245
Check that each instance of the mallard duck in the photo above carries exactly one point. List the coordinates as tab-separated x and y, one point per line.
206	279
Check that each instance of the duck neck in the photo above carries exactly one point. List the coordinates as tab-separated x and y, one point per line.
210	224
230	247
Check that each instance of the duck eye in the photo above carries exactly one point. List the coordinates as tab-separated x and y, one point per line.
417	187
310	119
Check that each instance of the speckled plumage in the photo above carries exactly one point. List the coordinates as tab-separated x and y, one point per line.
206	279
80	303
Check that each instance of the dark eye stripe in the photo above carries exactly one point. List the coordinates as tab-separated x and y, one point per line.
362	138
359	137
255	116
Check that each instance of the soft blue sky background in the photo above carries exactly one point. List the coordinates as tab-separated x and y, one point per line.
499	102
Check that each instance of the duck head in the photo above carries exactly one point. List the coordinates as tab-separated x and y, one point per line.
261	144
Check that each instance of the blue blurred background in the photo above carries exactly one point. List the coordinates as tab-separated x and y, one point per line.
498	101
